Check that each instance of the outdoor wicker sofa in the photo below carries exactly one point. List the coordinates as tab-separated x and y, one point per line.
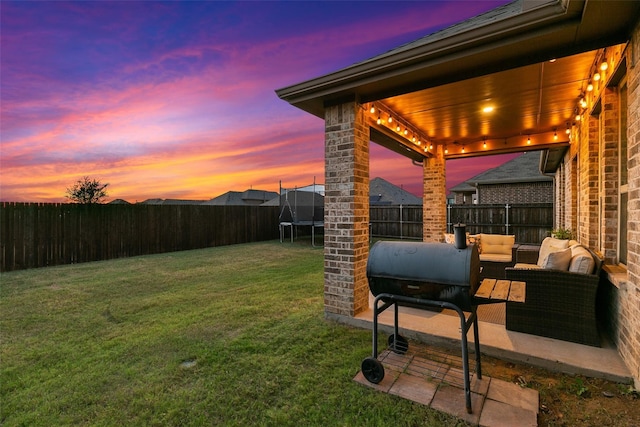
558	304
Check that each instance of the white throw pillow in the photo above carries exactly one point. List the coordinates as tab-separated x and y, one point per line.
581	260
550	244
559	260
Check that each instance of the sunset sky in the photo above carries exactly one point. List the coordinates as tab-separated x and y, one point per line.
176	99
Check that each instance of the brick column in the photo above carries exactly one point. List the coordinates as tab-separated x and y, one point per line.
346	210
434	197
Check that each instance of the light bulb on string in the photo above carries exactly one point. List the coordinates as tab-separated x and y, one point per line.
373	109
604	65
596	76
589	86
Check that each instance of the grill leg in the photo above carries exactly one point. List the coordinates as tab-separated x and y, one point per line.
477	343
465	358
375	329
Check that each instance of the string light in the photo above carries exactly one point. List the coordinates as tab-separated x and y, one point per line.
555	134
484	143
604	64
568	131
446	150
596	77
392	117
463	148
589	86
529	140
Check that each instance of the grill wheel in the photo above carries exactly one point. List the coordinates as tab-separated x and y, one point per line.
372	370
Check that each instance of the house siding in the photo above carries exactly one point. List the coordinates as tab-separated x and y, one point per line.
529	192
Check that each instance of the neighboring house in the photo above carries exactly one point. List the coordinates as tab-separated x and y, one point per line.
118	202
171	202
516	181
245	198
384	193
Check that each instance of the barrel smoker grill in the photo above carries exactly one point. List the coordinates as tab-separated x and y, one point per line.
426	276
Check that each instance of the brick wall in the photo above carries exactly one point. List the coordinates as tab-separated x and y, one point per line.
434	202
609	172
346	233
629	341
531	192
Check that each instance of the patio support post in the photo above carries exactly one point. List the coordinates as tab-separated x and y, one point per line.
434	197
346	244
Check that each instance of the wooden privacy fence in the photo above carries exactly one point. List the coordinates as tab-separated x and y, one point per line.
530	223
404	221
39	235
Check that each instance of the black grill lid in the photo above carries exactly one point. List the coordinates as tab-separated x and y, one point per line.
438	263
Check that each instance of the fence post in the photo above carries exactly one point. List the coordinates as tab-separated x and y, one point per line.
401	237
507	218
448	218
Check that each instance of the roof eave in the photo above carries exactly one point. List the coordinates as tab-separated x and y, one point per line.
476	51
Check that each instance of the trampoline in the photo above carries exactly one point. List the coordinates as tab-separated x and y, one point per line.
301	207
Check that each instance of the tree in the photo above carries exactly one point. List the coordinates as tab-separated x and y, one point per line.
87	191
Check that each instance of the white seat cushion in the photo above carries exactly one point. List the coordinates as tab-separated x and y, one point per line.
495	257
524	266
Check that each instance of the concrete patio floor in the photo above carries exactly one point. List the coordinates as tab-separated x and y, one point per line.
495	403
559	356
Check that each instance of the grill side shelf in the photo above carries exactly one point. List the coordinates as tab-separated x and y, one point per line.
493	291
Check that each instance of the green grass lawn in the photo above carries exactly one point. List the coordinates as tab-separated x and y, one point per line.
222	336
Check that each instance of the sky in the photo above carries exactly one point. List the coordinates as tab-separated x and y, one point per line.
177	99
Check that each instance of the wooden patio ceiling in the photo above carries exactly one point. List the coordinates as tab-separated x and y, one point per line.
521	109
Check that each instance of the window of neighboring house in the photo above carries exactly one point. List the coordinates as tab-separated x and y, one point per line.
624	183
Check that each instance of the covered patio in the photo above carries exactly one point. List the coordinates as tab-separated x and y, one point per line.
557	76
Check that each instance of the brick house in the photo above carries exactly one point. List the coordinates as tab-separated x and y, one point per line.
562	76
516	181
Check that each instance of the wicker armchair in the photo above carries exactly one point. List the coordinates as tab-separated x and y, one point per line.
558	304
496	269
